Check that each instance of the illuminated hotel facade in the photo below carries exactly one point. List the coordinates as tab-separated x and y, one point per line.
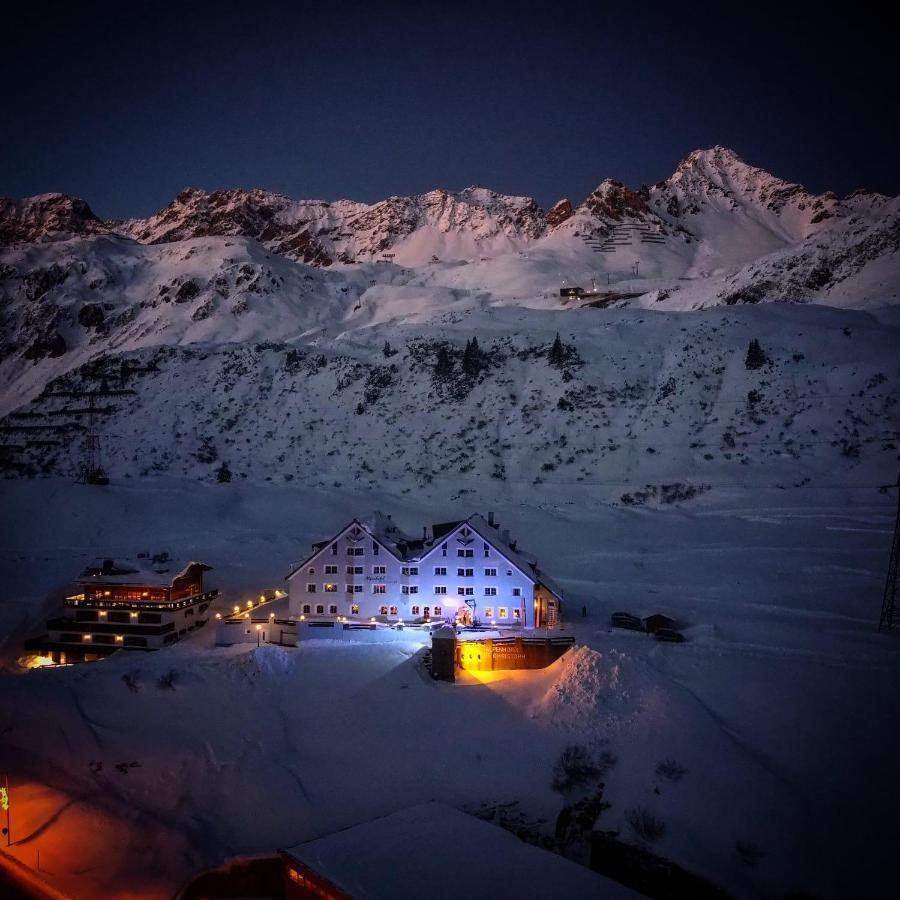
467	571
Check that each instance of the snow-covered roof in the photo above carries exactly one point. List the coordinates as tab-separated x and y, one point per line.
406	855
150	571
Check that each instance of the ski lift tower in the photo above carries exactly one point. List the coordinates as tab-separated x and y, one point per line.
888	603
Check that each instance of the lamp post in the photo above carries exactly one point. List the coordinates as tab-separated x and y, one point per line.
4	804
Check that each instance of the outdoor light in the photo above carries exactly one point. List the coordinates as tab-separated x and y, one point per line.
85	637
258	627
237	609
271	615
262	598
218	615
249	604
302	618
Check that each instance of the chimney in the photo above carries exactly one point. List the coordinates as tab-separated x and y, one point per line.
505	535
107	566
491	519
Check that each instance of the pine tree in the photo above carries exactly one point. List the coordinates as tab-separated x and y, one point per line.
472	363
756	358
444	364
387	351
557	353
223	473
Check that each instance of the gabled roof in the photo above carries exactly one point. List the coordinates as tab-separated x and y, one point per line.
378	526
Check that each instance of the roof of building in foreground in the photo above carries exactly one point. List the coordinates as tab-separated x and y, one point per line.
433	850
158	571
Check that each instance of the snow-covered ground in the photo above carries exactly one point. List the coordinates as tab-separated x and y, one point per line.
780	706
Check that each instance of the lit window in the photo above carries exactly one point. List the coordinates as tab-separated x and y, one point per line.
383	610
503	612
379	588
354	609
517	613
330	588
489	611
437	610
310	589
393	610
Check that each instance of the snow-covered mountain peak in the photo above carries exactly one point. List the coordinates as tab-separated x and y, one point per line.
44	216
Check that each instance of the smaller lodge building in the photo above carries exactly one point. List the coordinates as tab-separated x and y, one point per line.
143	605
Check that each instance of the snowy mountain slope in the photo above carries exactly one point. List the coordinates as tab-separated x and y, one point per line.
780	700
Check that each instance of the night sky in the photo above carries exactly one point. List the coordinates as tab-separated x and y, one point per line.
125	105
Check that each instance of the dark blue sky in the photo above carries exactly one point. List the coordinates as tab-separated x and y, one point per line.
126	104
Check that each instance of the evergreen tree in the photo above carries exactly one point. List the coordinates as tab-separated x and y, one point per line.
472	362
557	353
388	350
444	364
756	358
223	473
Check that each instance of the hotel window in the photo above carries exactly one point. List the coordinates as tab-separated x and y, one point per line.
503	612
409	570
118	617
379	570
517	592
490	592
443	549
437	610
357	588
330	588
467	553
311	570
149	618
306	609
415	610
320	610
465	573
393	610
310	589
491	573
329	570
375	548
334	549
350	588
517	613
382	610
440	589
354	609
354	570
440	570
487	550
356	551
465	591
379	588
332	609
489	612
